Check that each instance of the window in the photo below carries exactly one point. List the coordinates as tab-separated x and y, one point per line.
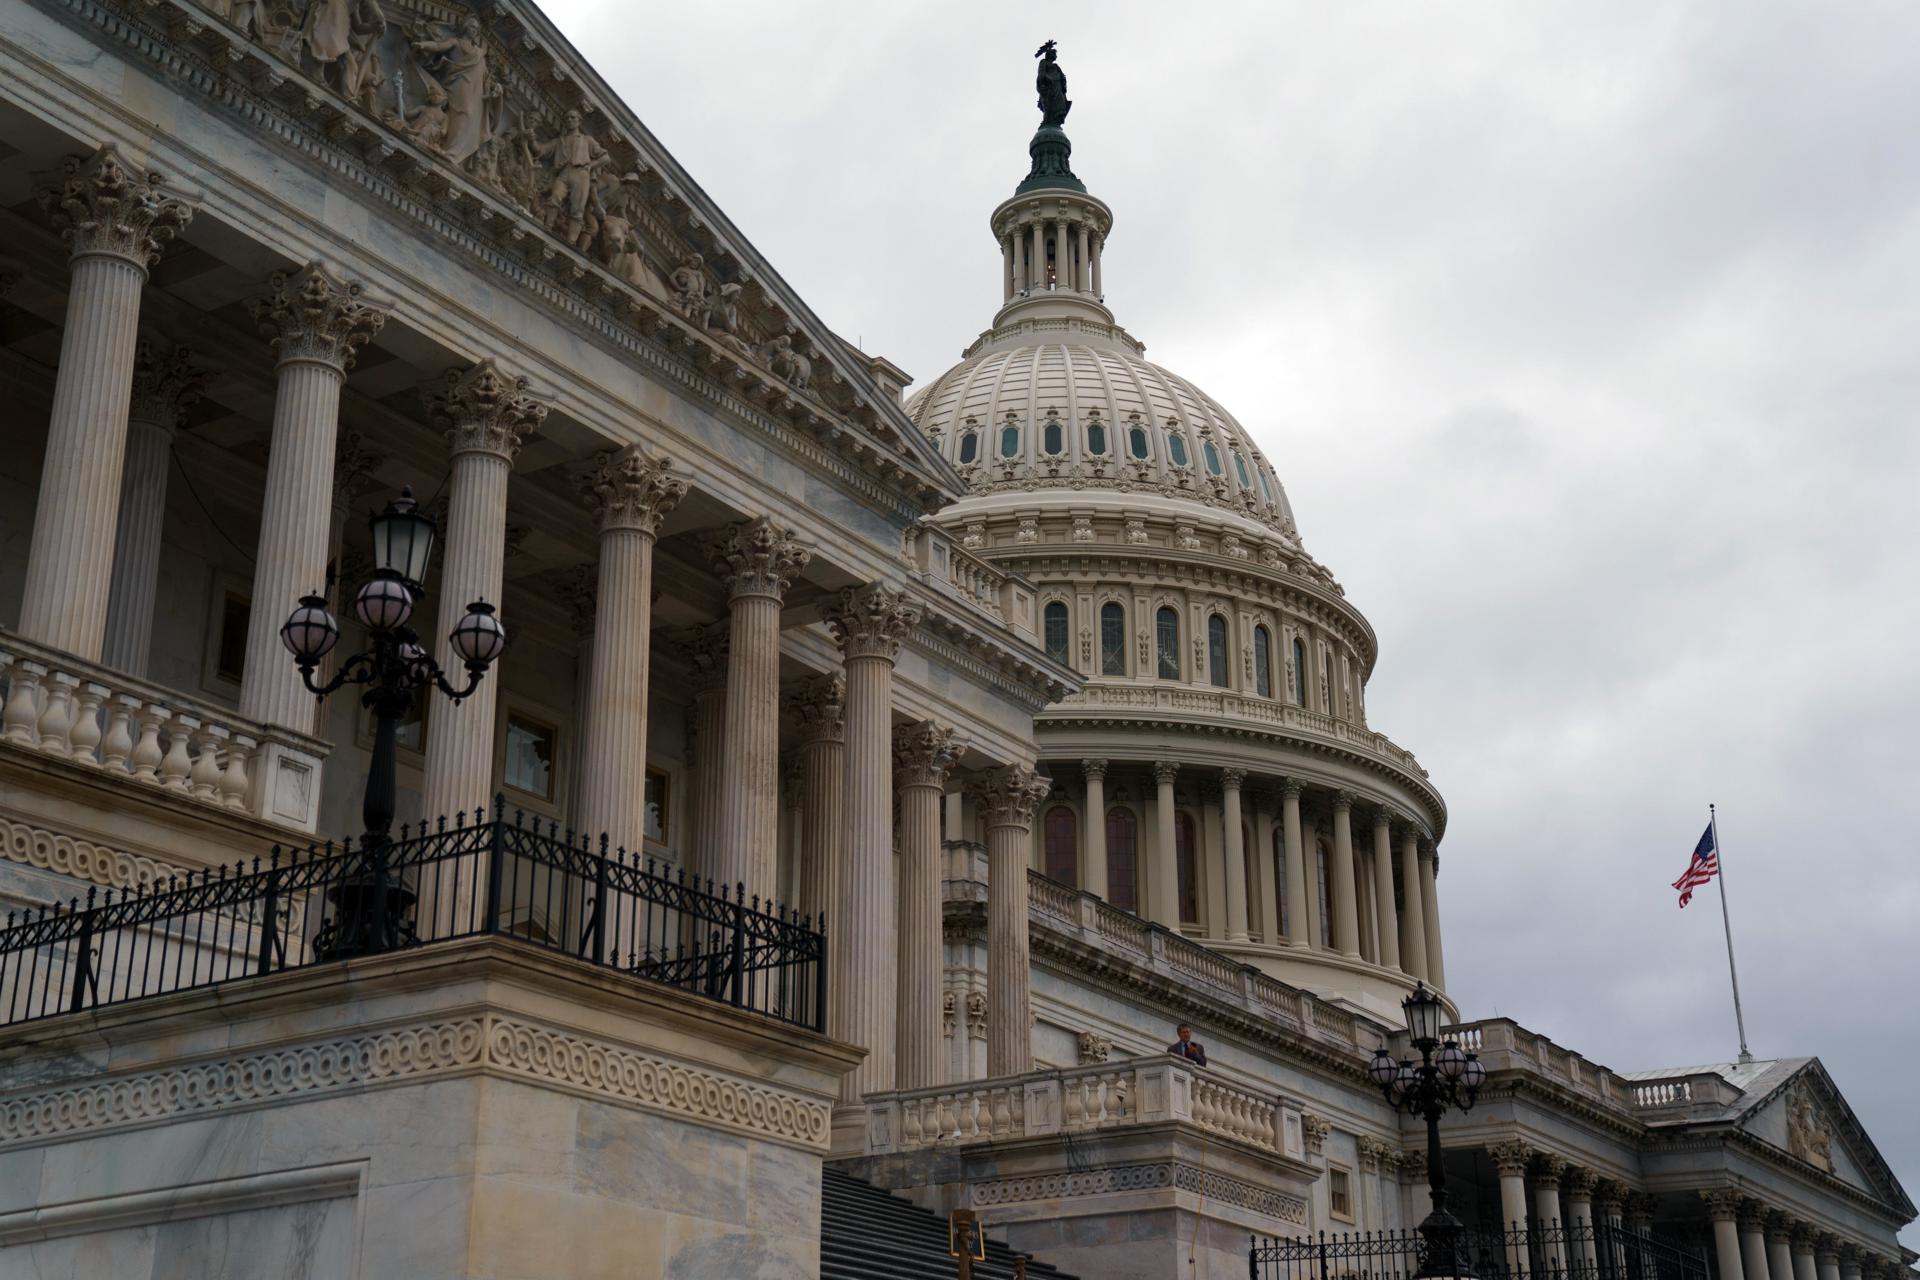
230	662
1266	486
1096	437
1123	875
1326	680
1061	834
1177	448
529	762
1052	438
1213	458
1137	441
1185	867
656	813
1326	898
1217	650
1248	852
1299	672
1280	878
1339	1193
1262	663
1113	639
1055	617
1166	626
1009	442
969	446
1240	467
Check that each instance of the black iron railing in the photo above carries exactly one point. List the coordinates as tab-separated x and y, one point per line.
1580	1251
517	877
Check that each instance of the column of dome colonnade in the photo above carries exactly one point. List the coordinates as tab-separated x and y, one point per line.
869	622
114	221
486	415
1096	879
1008	798
924	755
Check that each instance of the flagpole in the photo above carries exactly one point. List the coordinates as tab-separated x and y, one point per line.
1720	852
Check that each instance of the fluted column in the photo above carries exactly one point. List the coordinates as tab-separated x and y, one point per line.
1094	876
1080	263
1165	899
1037	258
1723	1206
1234	845
1413	921
1346	918
869	622
1779	1246
1008	798
820	705
486	416
1826	1258
1383	889
1098	241
114	221
1753	1241
1546	1207
1511	1160
1804	1267
758	559
1303	907
1578	1186
164	385
316	321
705	651
1430	908
923	755
1009	253
630	494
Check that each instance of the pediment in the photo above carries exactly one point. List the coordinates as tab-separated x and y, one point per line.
489	111
1805	1116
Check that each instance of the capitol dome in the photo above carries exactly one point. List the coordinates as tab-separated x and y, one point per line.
1216	773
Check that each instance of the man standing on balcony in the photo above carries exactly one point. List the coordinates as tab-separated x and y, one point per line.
1187	1047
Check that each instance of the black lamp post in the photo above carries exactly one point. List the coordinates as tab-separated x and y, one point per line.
372	914
1446	1076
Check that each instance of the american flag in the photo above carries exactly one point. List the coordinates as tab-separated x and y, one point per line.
1704	867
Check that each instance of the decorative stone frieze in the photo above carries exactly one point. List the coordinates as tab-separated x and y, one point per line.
757	557
314	316
483	409
1413	1166
1372	1152
1579	1183
629	490
1177	1175
66	855
976	1015
871	620
101	206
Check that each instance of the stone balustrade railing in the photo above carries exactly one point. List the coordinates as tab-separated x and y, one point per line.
1505	1045
126	728
1083	1099
1004	597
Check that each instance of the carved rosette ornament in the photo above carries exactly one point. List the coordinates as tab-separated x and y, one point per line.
485	410
870	621
757	557
101	207
820	706
924	754
1313	1131
314	316
1009	796
165	385
629	490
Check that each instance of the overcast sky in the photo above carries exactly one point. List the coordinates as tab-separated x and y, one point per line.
1583	337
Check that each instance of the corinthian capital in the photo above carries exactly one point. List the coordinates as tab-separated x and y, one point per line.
100	206
757	557
314	315
870	621
629	490
1511	1158
1233	779
820	705
485	410
1165	770
165	384
924	753
1009	796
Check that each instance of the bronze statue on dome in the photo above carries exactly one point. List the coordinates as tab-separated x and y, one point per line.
1052	84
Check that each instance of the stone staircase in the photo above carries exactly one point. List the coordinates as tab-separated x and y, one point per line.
868	1234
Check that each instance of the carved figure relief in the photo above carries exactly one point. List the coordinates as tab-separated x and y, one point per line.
689	282
455	61
1807	1138
571	161
785	363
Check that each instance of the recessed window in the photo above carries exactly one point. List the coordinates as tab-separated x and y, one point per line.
1299	673
1240	469
1326	680
1009	442
231	660
1266	486
1177	448
1217	650
1062	835
1326	896
657	816
1166	627
1280	877
1340	1193
1187	871
1123	831
529	763
969	446
1213	458
1052	438
1054	620
1096	437
1113	639
1262	663
1137	442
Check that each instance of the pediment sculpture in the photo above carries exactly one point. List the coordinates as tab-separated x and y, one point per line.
1807	1137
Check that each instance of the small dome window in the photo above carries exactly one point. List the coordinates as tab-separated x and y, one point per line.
1299	672
1166	626
1266	485
1052	438
1213	458
969	446
1137	441
1262	662
1240	468
1055	628
1217	651
1113	639
1009	442
1177	448
1096	437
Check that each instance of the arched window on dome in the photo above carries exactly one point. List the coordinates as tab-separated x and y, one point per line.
1113	639
1185	869
1166	628
1240	469
1061	834
1123	861
1299	672
1279	860
1176	448
1097	438
1326	683
1266	485
1137	442
1054	626
1325	892
1213	457
969	447
1009	442
1053	438
1217	650
1262	662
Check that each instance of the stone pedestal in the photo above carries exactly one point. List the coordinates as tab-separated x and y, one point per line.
1008	798
923	756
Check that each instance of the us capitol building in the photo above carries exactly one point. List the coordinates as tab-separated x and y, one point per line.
948	751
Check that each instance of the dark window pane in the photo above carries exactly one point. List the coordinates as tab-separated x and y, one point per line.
1056	631
1113	639
1299	673
1053	437
1177	449
1217	650
1137	438
1240	466
1262	663
1123	888
969	446
1009	441
232	660
1096	438
529	765
1167	632
1188	872
1213	458
1062	840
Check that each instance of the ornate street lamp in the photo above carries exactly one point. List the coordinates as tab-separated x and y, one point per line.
1446	1076
371	914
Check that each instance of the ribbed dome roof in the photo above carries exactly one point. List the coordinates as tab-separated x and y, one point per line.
1023	413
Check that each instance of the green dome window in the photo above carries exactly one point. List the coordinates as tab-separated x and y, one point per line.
1096	437
1052	438
1137	442
1213	459
969	446
1177	448
1009	442
1240	467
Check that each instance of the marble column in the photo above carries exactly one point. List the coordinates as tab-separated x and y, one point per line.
1164	901
114	221
1037	258
1753	1241
1413	921
1826	1258
316	322
758	559
1346	918
1302	907
1098	242
1723	1206
1235	873
923	755
1547	1170
1779	1246
1008	798
705	651
164	386
1804	1267
630	494
1389	920
869	622
1009	252
1264	920
1094	874
1850	1263
486	416
1578	1187
1430	909
1080	263
820	705
1511	1160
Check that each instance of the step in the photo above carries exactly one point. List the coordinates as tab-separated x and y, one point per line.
868	1233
